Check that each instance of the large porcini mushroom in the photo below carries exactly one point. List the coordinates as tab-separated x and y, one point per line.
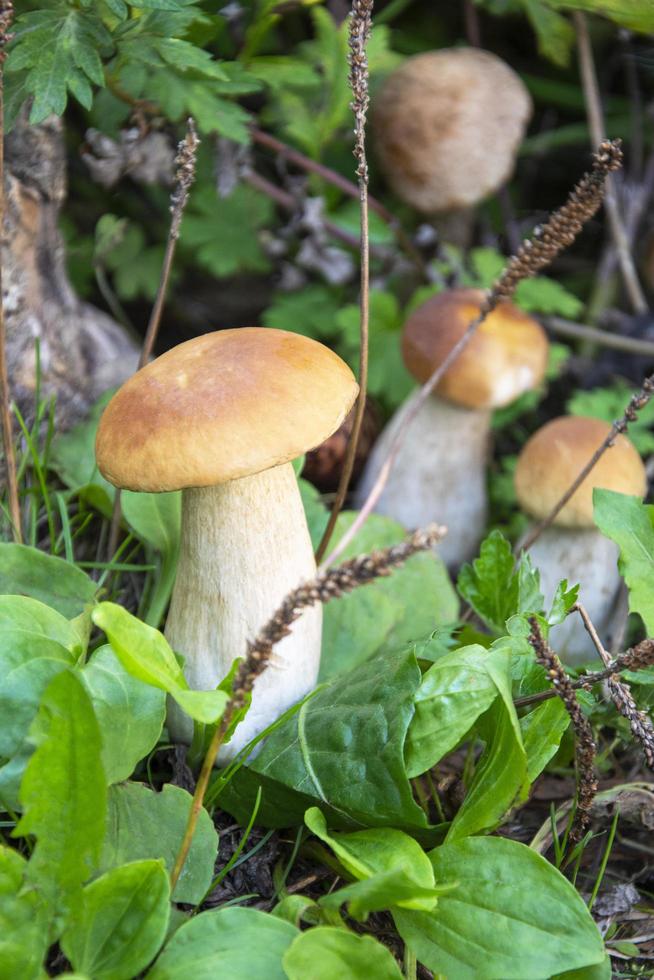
440	472
572	547
220	417
447	125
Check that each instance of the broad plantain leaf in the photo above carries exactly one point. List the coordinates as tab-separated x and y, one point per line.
326	952
57	583
628	522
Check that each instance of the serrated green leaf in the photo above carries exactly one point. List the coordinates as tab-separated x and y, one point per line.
628	522
554	33
120	922
63	792
608	404
311	312
223	232
497	589
632	14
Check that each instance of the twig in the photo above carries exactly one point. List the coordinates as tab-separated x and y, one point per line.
585	748
546	242
343	184
6	15
636	403
326	586
597	130
623	699
360	24
184	177
580	331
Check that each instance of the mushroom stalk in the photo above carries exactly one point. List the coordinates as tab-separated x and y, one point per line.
439	474
244	545
580	555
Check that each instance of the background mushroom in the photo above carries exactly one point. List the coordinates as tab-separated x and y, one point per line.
220	417
440	473
447	125
572	547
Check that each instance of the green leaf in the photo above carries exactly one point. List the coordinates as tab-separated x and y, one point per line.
628	522
130	713
547	296
632	14
73	459
23	923
145	824
390	869
389	613
19	612
453	694
156	518
223	231
146	654
234	943
311	312
512	915
28	662
495	588
63	793
326	952
120	922
562	602
542	731
57	583
500	776
555	34
320	756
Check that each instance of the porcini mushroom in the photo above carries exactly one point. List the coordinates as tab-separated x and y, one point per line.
440	472
572	547
447	125
220	417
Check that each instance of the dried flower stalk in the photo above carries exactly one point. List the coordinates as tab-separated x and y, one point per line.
184	176
360	24
535	253
585	748
328	585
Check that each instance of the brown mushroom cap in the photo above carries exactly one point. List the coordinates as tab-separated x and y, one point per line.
506	356
222	406
554	457
447	125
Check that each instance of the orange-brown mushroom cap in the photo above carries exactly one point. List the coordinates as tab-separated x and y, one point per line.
555	455
506	356
222	406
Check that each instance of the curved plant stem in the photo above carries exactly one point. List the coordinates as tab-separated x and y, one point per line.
360	24
597	130
6	14
581	331
184	177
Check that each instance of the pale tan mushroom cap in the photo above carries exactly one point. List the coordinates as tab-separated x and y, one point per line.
554	457
222	406
506	356
447	126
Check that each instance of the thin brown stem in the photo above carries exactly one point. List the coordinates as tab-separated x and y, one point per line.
581	331
636	403
184	177
589	626
597	130
6	14
360	25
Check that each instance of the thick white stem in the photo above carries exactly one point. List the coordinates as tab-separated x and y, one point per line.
584	556
245	545
439	474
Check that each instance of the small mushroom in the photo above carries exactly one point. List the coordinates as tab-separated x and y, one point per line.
447	126
220	417
440	472
572	547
